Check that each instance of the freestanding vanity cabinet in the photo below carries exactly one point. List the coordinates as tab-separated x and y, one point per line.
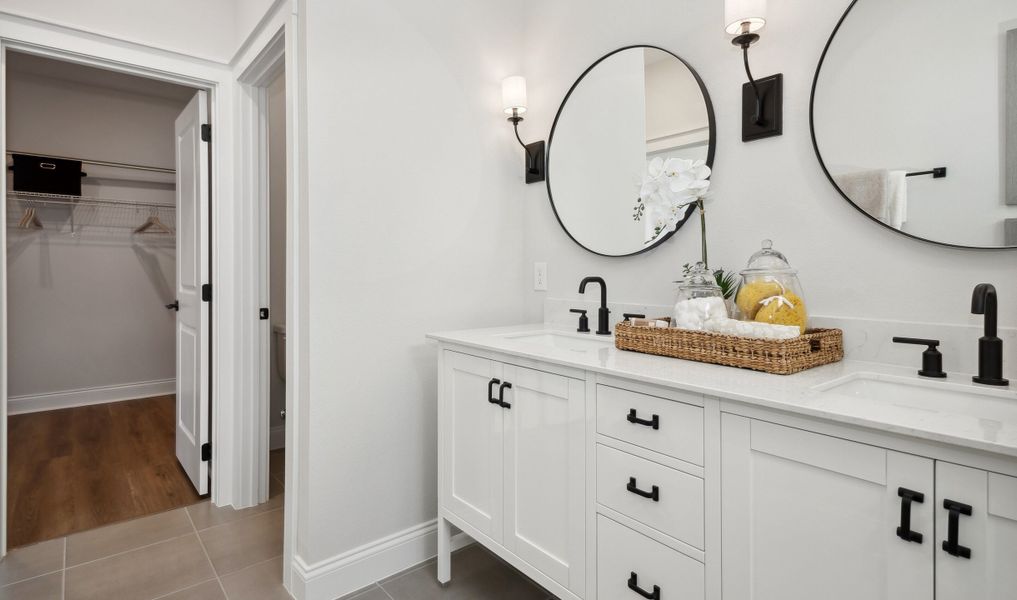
609	475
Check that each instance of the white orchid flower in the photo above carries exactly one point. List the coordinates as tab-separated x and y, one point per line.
667	188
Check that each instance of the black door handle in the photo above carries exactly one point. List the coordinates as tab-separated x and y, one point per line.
951	545
174	306
653	494
500	401
634	586
906	498
653	422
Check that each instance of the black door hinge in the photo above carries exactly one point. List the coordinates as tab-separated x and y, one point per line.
206	133
263	314
206	452
206	292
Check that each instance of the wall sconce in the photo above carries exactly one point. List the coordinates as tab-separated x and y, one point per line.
513	97
762	99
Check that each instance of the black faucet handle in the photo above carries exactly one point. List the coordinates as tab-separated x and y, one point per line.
584	321
932	344
633	316
932	358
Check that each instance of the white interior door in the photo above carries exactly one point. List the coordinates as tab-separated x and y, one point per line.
192	330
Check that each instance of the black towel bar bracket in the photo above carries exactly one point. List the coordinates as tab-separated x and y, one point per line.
937	173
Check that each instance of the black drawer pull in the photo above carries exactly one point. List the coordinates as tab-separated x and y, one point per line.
634	586
906	498
500	401
951	545
653	494
653	422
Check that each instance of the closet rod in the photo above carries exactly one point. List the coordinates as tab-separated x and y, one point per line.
99	163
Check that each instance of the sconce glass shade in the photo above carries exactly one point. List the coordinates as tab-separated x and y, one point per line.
513	95
737	12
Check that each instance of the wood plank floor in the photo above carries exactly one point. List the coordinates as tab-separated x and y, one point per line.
79	468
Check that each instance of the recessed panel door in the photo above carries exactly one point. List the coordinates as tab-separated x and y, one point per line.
192	328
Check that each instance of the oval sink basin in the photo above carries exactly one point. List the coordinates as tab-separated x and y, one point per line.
564	341
966	399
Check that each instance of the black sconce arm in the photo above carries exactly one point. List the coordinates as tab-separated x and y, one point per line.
535	152
762	101
758	117
531	161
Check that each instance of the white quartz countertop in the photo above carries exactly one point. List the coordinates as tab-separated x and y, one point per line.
962	424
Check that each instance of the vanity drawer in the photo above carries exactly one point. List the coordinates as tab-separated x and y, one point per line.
679	426
624	480
627	557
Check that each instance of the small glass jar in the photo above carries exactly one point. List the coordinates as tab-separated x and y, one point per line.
770	291
700	299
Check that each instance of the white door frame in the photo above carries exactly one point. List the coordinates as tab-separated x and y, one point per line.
273	51
70	45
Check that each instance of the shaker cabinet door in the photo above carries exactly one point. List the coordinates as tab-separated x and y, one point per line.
471	443
545	473
976	534
809	516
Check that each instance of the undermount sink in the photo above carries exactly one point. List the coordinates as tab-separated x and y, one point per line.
936	396
564	341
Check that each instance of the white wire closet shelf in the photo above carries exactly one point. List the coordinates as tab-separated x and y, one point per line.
75	214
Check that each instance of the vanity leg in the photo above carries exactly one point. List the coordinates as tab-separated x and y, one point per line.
444	551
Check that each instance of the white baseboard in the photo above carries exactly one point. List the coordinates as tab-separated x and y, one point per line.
354	570
277	437
17	405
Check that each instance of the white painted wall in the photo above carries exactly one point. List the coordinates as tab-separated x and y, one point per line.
414	184
209	29
771	188
87	310
277	236
247	14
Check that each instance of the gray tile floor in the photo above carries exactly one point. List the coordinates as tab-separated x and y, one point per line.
201	552
476	575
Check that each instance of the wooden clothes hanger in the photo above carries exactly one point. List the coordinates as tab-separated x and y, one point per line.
154	225
30	220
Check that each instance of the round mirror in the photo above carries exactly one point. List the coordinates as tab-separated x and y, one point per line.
914	117
632	106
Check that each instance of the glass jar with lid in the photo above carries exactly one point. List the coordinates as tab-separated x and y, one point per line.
699	300
770	291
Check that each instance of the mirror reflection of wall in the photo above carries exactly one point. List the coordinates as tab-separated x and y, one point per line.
910	86
634	105
677	123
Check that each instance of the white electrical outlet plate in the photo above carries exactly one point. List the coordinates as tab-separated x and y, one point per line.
540	276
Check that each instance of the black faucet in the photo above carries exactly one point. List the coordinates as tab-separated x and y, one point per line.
990	347
603	328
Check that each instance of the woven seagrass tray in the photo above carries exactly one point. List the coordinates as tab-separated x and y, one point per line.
814	348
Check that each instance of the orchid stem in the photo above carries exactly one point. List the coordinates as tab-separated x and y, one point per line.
702	225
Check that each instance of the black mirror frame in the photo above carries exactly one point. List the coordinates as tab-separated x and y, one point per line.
822	164
709	156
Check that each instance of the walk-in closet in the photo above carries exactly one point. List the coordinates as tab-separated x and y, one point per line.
92	274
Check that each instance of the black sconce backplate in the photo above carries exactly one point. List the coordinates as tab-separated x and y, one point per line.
771	91
535	170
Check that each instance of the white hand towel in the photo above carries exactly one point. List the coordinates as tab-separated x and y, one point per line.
868	190
897	199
